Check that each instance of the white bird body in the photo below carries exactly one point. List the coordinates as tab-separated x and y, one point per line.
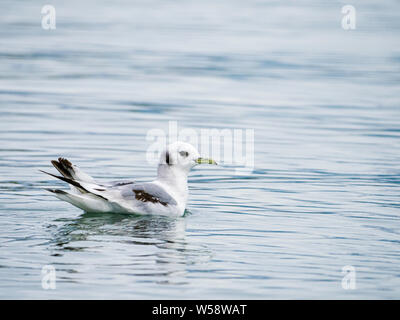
166	195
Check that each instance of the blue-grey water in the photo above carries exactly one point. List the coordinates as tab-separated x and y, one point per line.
324	105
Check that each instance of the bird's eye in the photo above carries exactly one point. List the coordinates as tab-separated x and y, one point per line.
184	153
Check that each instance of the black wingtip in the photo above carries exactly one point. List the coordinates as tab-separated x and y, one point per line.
65	162
48	173
56	191
70	181
63	166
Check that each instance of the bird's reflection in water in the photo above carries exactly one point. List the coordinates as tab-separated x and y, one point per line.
150	247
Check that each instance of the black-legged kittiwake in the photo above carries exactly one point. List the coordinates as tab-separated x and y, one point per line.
166	195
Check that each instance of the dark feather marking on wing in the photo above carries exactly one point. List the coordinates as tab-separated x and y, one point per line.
147	192
146	197
120	184
61	169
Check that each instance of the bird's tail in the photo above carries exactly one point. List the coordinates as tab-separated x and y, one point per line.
70	171
80	196
86	193
81	186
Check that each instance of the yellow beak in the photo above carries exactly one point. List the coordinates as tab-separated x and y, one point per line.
205	161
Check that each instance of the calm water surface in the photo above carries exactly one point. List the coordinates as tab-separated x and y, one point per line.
324	104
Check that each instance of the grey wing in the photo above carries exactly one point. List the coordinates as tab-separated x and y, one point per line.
147	192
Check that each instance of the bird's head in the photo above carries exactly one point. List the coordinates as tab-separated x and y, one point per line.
182	155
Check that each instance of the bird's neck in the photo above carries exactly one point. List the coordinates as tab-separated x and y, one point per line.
175	178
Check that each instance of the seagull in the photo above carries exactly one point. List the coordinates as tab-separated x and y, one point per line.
167	195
